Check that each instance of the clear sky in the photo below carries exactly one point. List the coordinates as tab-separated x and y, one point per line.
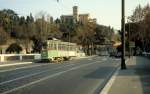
107	12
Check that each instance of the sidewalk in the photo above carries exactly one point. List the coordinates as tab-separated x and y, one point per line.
134	80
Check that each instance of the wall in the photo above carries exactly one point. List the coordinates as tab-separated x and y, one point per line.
19	57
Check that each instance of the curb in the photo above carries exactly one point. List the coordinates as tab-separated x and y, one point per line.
110	82
84	57
13	64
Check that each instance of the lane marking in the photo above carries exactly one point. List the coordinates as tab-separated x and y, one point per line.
46	78
25	67
109	84
5	65
29	67
27	76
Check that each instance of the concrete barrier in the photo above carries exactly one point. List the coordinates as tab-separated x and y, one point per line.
19	57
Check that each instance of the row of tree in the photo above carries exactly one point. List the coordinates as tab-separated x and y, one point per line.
139	27
30	32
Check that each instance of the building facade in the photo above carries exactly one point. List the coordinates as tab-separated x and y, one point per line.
76	17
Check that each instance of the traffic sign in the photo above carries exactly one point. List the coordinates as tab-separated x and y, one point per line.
132	44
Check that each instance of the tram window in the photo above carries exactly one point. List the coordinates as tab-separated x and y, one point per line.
52	46
62	47
59	46
49	45
55	46
65	47
71	47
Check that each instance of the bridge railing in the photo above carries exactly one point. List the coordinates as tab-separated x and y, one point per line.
19	57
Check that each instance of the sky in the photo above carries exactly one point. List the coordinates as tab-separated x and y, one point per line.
107	12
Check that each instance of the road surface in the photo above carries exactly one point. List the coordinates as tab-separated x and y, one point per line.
84	76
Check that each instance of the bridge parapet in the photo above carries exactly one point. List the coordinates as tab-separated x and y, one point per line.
19	57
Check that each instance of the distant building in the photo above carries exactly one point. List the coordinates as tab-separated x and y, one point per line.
75	13
75	17
67	18
83	18
50	19
93	20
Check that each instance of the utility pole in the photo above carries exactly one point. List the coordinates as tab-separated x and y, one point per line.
123	65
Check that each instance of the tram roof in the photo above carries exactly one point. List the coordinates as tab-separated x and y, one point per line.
61	42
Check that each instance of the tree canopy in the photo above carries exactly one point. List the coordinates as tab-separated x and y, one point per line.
139	27
32	32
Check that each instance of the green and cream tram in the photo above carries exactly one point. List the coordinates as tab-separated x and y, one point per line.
56	50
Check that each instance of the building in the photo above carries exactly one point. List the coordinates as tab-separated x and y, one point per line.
50	19
93	20
83	18
75	13
75	17
67	18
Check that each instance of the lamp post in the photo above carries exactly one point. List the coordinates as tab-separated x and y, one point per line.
123	65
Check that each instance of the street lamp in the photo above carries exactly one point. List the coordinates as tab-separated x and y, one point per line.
123	65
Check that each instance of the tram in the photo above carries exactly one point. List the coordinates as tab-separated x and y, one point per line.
57	50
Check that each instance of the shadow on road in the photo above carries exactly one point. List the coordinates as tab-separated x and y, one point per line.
100	73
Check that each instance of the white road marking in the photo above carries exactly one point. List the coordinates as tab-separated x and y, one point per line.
26	76
26	67
46	78
5	65
23	67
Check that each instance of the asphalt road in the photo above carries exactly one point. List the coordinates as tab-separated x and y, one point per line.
84	76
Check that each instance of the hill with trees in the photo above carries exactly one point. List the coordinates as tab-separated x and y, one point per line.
30	32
